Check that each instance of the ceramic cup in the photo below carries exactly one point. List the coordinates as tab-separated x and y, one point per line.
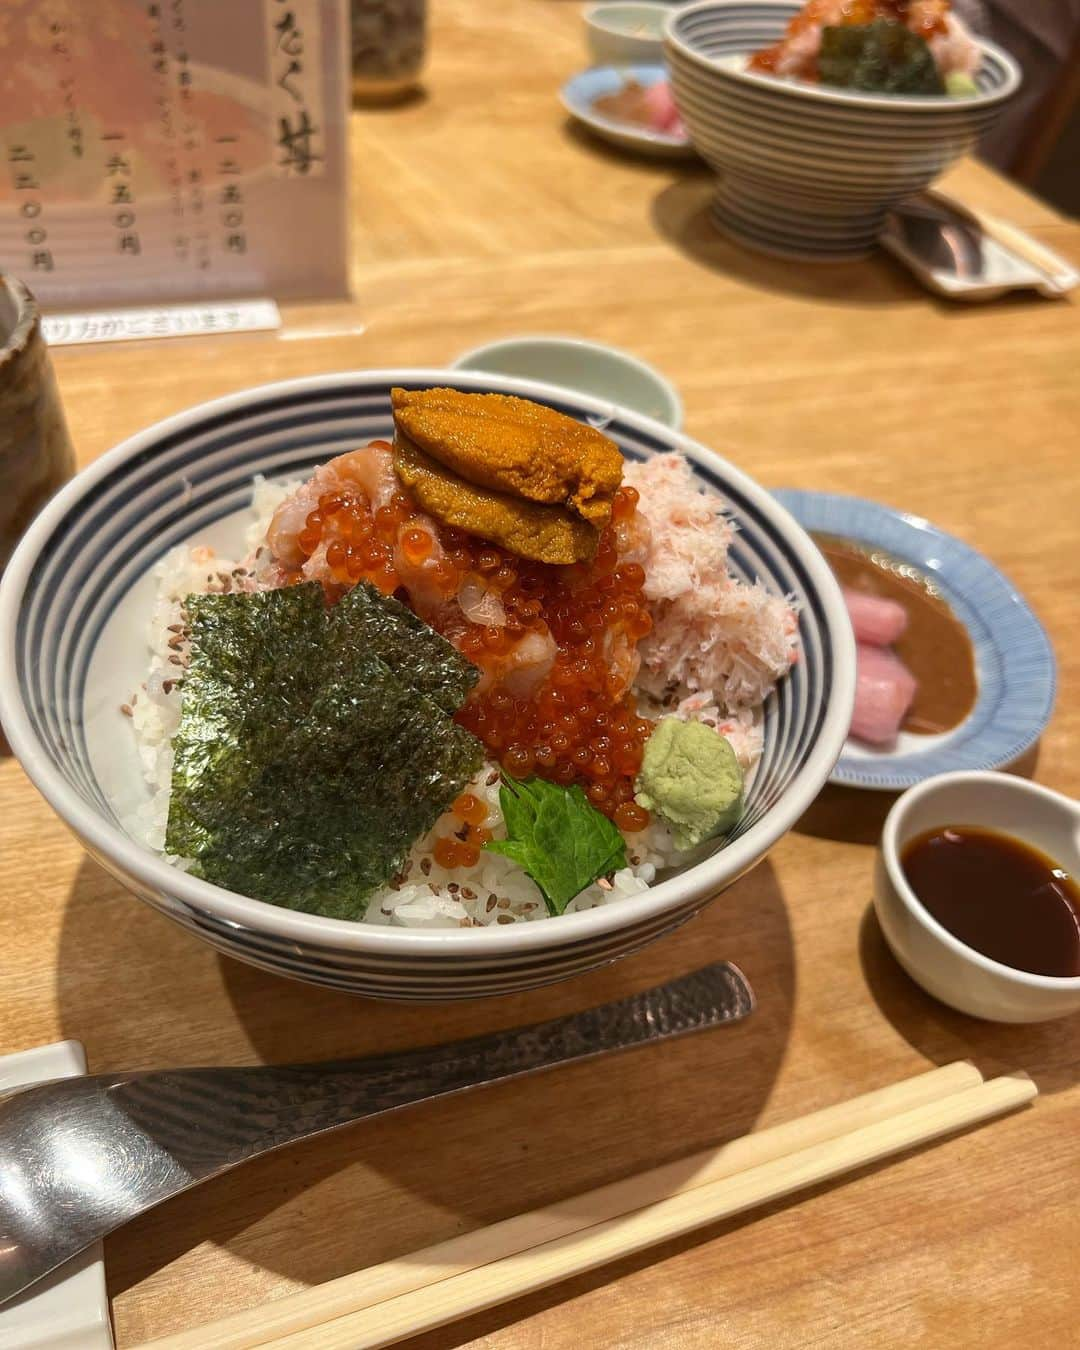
36	455
588	367
946	967
626	34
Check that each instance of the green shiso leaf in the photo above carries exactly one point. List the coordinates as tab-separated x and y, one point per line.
558	837
305	766
883	57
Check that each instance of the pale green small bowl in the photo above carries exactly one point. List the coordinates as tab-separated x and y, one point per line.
629	33
586	367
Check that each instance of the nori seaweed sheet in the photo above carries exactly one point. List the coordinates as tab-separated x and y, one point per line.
242	693
415	652
882	57
305	767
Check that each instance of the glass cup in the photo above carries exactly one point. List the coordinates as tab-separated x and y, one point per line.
388	38
36	454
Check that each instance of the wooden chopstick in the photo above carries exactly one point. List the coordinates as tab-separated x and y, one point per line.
384	1303
450	1299
1053	266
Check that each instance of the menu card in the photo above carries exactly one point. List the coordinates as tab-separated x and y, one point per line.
173	150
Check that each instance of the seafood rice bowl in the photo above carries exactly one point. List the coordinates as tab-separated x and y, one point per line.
417	697
575	663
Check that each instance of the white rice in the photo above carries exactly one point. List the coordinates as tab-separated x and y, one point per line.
423	895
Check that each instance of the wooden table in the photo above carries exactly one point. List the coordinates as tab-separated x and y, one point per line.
480	213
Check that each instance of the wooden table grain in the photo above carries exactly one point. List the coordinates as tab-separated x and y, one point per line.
478	212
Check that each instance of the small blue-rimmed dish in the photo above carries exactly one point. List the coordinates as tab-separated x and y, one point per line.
1014	661
579	94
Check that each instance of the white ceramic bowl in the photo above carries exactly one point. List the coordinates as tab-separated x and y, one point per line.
74	606
931	955
628	33
809	171
590	368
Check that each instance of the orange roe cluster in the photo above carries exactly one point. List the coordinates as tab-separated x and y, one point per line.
360	542
579	726
462	849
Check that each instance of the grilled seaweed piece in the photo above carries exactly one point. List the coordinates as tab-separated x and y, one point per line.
307	761
249	679
420	656
883	57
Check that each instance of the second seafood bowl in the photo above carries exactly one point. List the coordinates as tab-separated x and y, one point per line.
375	646
808	170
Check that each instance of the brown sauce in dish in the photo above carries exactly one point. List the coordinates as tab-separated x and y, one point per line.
998	895
935	648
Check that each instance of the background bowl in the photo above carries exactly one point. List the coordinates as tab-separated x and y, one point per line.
74	607
946	967
625	33
808	171
590	367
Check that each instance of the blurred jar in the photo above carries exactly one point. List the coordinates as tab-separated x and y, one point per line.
36	455
388	38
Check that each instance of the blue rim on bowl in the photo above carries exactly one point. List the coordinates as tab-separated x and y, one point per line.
68	624
580	92
1014	659
529	355
806	171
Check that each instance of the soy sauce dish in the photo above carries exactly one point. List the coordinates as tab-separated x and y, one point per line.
976	879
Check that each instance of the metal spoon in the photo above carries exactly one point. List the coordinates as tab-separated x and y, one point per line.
79	1157
939	238
967	254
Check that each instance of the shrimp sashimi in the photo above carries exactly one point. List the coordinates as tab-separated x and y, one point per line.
369	471
417	562
955	50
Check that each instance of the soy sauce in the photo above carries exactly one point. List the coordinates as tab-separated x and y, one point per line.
999	895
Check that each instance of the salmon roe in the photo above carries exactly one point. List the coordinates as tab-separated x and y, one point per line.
360	543
580	725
